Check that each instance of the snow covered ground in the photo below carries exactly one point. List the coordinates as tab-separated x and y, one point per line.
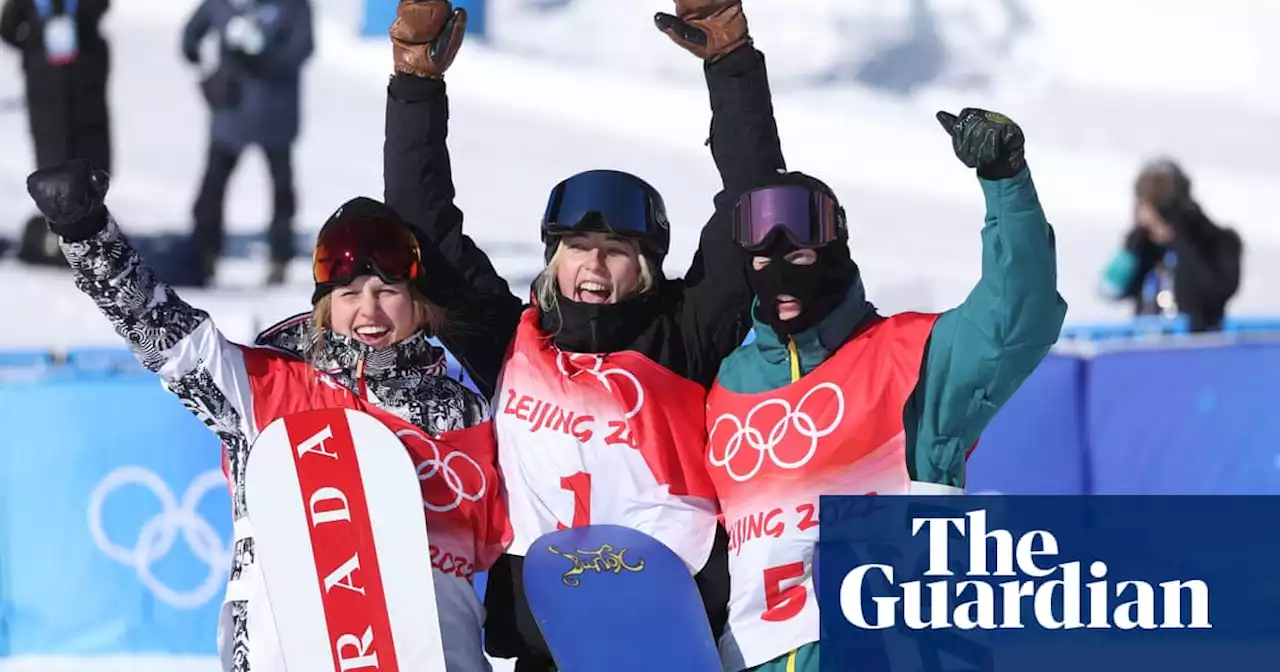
566	85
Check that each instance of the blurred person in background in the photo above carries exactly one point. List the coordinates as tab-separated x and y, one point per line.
1175	260
66	63
617	356
253	92
363	345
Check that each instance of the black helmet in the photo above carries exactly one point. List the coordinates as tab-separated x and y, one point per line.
608	201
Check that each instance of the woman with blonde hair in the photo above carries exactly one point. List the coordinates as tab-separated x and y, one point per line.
599	386
363	346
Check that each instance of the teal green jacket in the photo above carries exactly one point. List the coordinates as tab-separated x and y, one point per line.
979	352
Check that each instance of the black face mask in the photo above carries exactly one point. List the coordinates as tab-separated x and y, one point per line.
819	287
599	327
603	327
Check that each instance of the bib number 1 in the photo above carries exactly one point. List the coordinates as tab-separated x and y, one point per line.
580	485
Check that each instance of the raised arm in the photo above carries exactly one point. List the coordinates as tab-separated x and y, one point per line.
169	337
980	352
418	181
747	152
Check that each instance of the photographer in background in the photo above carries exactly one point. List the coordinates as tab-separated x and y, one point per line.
1175	260
253	95
65	62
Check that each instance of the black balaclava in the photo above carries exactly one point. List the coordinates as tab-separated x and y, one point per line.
820	287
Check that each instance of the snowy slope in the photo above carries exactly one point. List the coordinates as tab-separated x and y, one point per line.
589	83
1131	46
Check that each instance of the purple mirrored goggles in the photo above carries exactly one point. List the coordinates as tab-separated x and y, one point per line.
807	217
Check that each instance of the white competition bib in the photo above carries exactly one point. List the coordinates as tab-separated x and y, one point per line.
60	45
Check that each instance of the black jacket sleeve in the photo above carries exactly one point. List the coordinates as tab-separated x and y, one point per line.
715	313
418	182
12	17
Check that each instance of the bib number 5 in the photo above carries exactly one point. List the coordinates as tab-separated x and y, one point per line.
784	592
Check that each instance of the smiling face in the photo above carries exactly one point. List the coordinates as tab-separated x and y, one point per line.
373	311
597	268
789	307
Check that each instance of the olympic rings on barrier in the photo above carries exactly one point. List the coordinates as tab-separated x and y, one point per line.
157	535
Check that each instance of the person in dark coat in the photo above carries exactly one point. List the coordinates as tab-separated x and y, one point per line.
1175	260
65	62
254	99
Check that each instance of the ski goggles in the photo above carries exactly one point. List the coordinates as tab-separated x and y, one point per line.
602	200
347	249
809	218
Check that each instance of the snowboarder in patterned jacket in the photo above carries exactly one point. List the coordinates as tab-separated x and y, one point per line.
832	398
363	346
599	385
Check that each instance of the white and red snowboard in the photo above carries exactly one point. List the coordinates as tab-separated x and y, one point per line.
341	543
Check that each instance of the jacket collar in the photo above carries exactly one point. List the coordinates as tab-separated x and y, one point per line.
814	345
296	336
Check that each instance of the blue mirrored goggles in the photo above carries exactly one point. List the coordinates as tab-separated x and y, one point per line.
606	201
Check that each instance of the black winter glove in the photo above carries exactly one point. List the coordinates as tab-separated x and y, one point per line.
988	141
70	196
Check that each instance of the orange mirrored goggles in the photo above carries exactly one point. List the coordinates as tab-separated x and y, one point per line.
348	249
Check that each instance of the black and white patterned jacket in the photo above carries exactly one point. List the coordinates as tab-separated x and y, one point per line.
207	373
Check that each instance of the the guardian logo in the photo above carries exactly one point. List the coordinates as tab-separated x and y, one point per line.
979	602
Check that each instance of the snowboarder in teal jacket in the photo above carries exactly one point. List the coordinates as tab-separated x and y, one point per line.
918	388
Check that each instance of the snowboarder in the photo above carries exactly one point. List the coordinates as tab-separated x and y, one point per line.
362	346
833	398
599	401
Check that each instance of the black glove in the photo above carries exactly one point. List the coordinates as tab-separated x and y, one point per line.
988	141
70	196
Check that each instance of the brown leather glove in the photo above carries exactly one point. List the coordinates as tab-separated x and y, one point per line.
426	35
709	29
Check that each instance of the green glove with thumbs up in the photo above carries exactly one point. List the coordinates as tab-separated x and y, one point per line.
987	141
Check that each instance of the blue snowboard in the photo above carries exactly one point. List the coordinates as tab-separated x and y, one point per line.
611	598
